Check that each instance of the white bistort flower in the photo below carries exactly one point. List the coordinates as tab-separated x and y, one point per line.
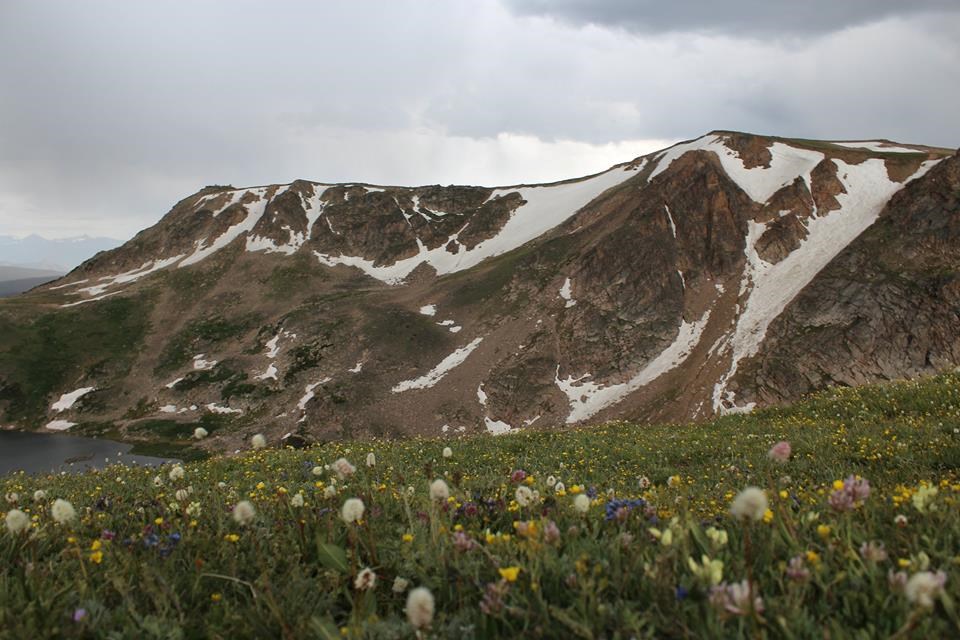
447	452
365	580
524	496
420	606
296	500
750	504
371	459
62	511
923	587
581	503
39	495
352	510
176	473
200	433
330	491
258	441
244	513
400	584
439	490
343	468
17	521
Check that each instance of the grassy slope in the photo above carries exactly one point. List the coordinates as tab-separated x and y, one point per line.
286	573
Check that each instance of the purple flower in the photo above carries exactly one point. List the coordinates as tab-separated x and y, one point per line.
79	615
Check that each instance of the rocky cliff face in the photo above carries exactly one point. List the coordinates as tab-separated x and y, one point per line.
719	274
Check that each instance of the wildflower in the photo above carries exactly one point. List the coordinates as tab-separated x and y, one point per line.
780	452
767	516
850	494
717	536
176	473
735	598
796	570
407	537
665	537
343	468
923	587
258	441
13	497
644	483
509	573
517	476
96	557
365	580
296	500
200	433
216	597
674	481
182	495
710	571
400	584
62	511
194	509
462	542
923	498
823	530
524	496
447	452
39	495
244	513
79	615
897	580
900	520
231	537
551	532
317	471
581	503
493	596
551	481
750	504
439	490
371	459
420	606
16	521
330	491
873	551
352	510
560	489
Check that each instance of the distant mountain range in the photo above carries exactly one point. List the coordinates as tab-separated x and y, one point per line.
14	280
59	255
723	273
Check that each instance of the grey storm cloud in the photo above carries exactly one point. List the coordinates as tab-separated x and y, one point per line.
742	17
111	111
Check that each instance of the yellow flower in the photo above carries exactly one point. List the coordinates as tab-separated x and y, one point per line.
838	484
231	537
96	557
575	489
768	516
528	480
408	537
903	563
96	545
784	494
216	597
823	530
509	573
158	521
813	557
260	485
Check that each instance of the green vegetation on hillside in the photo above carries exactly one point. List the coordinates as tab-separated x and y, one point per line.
51	350
617	531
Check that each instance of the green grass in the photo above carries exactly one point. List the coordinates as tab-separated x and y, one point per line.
182	567
47	351
199	335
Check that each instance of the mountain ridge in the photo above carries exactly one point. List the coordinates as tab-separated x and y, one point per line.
647	290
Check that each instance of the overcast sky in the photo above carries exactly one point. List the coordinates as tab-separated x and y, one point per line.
110	112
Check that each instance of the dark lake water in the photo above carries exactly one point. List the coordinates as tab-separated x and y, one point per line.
45	452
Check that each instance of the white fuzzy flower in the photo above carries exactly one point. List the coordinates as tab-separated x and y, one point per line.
343	468
317	471
551	481
329	491
157	481
200	433
258	441
221	485
400	584
296	500
244	513
371	459
13	497
439	490
176	473
581	503
559	487
39	495
366	579
194	509
524	496
644	483
17	521
62	511
923	587
420	606
352	510
447	452
750	504
182	495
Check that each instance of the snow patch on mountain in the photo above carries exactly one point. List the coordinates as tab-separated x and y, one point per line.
437	373
66	400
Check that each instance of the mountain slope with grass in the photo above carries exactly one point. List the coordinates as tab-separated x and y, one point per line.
851	530
724	273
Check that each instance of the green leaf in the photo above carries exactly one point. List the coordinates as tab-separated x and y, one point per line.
324	629
332	557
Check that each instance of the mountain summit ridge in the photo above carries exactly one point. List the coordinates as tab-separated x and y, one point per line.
657	289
